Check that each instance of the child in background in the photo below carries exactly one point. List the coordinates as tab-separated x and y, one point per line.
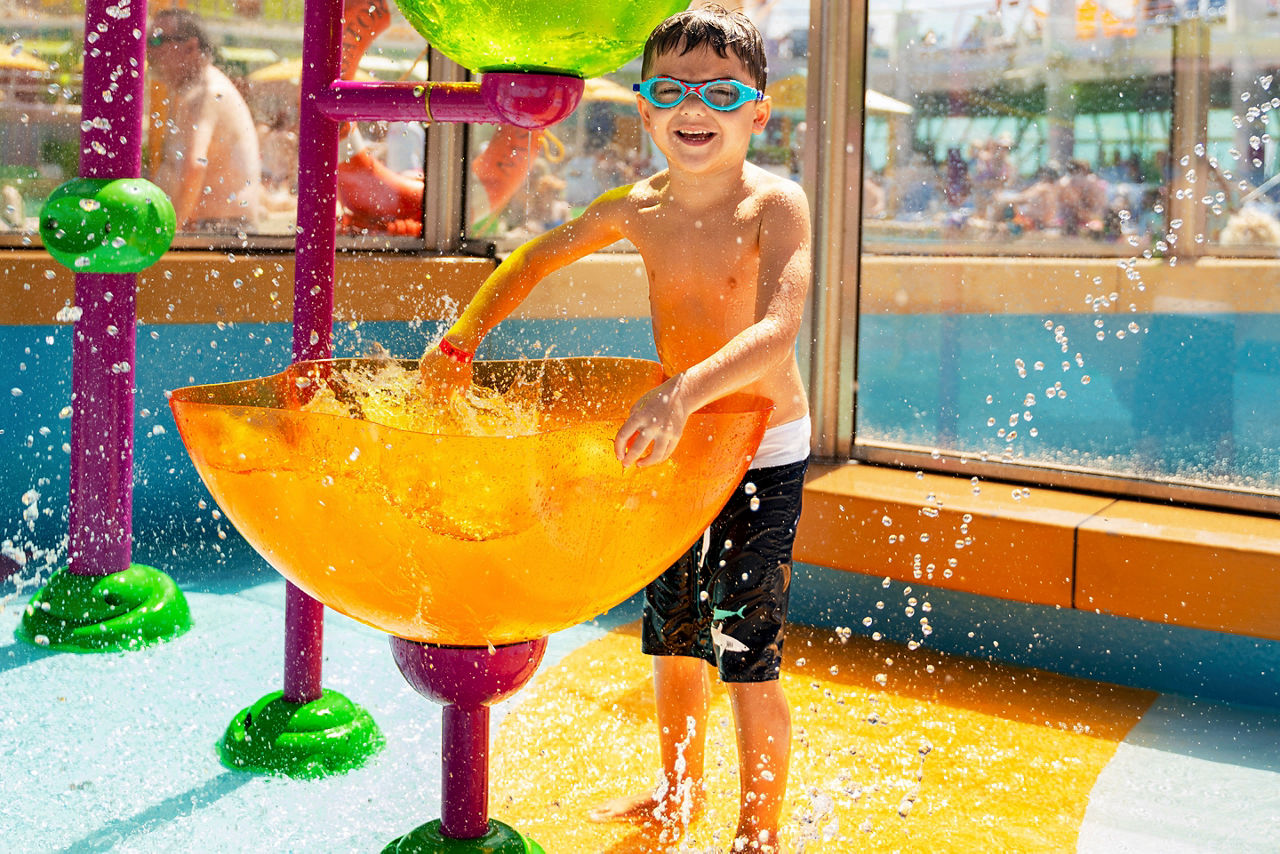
726	247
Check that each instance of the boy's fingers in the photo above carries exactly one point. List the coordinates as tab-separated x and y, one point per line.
628	436
621	442
659	452
633	448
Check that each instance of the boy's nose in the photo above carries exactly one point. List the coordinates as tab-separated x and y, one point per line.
693	102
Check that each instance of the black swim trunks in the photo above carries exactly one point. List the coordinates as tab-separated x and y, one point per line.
725	599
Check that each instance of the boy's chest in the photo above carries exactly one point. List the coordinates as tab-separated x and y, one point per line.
716	252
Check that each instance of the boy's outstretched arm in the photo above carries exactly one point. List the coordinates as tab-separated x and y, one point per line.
445	364
653	429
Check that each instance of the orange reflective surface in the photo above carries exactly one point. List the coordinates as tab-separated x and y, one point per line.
464	539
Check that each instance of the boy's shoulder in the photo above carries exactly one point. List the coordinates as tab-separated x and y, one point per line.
769	186
773	196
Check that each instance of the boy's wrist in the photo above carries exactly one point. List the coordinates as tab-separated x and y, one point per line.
454	353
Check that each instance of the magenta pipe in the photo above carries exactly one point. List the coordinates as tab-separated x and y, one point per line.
466	680
464	789
105	337
527	100
313	294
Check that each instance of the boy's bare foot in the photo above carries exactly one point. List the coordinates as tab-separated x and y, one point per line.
647	808
639	807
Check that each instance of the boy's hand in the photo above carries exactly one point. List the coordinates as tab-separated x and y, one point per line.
651	432
444	370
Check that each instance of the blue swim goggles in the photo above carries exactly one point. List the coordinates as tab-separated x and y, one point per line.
723	95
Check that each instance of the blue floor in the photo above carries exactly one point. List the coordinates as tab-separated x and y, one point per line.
116	752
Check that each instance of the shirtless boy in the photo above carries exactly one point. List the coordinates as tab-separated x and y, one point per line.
210	163
726	248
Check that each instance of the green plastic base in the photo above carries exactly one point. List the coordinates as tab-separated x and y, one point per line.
331	735
427	839
126	610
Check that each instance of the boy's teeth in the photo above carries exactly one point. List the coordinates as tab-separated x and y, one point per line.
689	134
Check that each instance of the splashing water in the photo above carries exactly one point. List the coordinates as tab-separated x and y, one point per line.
392	395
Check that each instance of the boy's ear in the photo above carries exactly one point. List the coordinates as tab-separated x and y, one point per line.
643	107
764	109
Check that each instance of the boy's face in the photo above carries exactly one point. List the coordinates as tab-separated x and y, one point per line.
694	137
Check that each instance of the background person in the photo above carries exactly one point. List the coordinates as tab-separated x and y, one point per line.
210	162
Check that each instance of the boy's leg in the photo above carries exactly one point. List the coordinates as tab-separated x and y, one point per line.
682	688
762	718
748	593
670	633
682	691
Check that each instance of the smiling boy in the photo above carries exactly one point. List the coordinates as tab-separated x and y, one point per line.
726	247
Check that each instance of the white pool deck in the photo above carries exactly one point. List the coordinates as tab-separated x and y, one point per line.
116	752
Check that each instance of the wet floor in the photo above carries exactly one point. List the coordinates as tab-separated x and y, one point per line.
927	752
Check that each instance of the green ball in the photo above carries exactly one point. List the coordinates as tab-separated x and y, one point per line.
104	225
582	38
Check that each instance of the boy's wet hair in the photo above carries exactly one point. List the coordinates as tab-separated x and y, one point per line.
709	26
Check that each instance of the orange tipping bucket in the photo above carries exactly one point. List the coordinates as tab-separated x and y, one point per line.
457	538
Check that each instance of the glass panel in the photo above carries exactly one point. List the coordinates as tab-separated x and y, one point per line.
522	183
1242	199
39	114
1018	131
248	188
1016	126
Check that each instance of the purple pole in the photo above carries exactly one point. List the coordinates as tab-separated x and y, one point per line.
313	294
527	100
104	345
466	680
464	807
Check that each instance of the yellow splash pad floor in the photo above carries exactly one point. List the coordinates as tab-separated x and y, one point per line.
894	750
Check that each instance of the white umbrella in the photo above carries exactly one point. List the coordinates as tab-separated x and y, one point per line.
878	102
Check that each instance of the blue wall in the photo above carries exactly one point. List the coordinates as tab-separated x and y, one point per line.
174	532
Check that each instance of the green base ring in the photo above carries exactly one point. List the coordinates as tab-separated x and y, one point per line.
427	839
331	735
126	610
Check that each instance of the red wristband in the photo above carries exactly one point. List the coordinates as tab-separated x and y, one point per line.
455	354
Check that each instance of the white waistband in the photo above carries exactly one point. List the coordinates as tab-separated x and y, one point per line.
784	444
